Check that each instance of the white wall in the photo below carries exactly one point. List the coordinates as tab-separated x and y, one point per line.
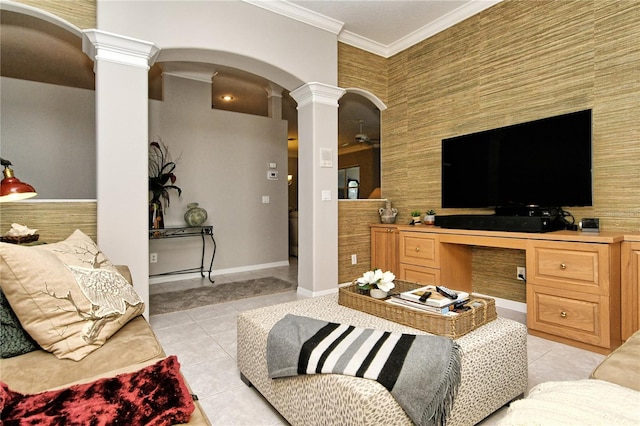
231	33
48	133
222	164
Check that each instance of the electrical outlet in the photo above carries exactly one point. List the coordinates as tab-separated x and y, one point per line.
153	257
521	273
354	259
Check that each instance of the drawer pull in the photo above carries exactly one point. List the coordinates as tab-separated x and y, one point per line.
563	314
417	248
563	266
389	230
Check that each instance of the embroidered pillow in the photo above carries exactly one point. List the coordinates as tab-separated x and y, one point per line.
14	340
67	295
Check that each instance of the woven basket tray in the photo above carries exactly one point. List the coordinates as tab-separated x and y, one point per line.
442	325
22	239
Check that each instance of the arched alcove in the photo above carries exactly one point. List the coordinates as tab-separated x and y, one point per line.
48	103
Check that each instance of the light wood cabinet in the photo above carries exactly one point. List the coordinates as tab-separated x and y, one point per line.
630	291
573	291
384	248
573	278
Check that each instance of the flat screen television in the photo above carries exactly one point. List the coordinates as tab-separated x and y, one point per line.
544	163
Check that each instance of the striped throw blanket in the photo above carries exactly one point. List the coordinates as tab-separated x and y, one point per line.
422	372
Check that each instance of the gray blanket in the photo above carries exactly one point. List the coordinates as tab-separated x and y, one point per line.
422	372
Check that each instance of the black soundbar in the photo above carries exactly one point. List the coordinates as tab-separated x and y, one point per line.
501	223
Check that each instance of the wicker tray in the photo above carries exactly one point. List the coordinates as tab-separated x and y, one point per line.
443	325
22	239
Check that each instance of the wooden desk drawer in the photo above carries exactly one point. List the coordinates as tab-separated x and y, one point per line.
419	274
582	317
571	266
419	249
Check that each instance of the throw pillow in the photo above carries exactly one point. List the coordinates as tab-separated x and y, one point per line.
14	340
67	295
155	395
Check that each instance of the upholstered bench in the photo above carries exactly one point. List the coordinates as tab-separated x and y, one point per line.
494	370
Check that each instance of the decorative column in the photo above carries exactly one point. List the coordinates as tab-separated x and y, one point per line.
122	67
274	101
317	188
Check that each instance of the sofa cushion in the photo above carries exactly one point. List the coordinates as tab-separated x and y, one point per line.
67	295
13	339
622	366
133	345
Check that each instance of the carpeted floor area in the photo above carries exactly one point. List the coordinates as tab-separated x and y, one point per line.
163	303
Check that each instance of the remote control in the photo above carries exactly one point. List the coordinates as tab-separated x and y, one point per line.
447	292
425	296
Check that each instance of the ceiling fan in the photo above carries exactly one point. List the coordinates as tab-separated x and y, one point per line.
363	138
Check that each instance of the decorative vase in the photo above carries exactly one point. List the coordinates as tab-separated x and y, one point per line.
195	215
415	220
388	214
156	215
376	293
429	219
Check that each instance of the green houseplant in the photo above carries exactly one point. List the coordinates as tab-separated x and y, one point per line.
430	217
415	214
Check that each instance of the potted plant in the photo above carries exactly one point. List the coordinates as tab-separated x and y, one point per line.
430	217
161	180
415	214
376	282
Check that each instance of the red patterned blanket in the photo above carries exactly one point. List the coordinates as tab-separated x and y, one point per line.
155	395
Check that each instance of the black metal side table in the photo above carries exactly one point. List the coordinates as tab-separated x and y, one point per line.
183	232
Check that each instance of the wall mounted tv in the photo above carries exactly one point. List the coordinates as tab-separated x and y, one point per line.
544	163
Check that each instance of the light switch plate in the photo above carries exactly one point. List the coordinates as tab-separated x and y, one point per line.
272	174
326	195
265	199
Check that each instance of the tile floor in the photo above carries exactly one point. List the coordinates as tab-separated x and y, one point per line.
204	339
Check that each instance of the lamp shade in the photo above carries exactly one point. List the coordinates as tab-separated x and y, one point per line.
11	188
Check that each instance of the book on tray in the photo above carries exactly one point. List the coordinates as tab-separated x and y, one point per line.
435	299
395	299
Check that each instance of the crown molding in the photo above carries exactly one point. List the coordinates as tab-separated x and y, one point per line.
449	20
293	11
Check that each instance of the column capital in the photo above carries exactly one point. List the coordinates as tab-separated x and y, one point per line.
273	90
317	93
102	45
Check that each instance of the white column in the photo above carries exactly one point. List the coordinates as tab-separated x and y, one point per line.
274	101
121	67
317	188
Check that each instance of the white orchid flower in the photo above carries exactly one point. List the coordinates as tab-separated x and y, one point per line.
386	283
366	278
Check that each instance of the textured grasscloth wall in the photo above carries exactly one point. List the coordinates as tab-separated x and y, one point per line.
55	221
81	13
357	68
515	62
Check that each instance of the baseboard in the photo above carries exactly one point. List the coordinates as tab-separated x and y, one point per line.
179	277
507	304
306	293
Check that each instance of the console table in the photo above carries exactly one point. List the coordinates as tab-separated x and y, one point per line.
185	232
573	282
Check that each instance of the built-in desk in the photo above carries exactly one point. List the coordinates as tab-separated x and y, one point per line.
573	278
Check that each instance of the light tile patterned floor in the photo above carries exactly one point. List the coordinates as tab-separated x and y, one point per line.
204	339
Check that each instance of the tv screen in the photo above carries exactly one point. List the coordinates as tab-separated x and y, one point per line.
544	163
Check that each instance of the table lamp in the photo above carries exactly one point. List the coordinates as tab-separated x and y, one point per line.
11	188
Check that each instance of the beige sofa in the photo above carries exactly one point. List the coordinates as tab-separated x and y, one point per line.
610	396
131	348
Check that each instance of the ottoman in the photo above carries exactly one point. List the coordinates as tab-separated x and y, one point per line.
494	370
